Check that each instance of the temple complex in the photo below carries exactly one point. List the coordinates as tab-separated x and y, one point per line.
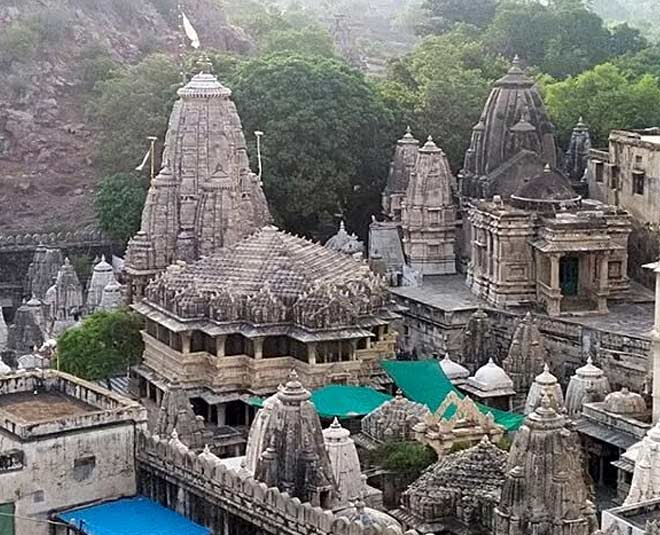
205	196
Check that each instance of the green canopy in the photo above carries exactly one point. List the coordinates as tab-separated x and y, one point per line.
424	381
341	401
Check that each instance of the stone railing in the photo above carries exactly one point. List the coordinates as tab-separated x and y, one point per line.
205	476
90	235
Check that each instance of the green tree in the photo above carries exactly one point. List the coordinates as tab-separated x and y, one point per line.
134	103
119	202
310	41
439	89
104	345
328	137
407	459
444	14
606	99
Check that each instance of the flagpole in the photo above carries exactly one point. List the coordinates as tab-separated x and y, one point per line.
153	139
259	133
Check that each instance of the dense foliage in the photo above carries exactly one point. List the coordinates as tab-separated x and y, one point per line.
119	202
105	345
407	459
328	136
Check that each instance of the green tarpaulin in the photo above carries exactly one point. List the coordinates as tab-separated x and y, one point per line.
7	519
341	401
425	382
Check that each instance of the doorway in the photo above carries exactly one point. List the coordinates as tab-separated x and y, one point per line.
569	275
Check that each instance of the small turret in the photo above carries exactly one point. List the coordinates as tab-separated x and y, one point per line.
577	154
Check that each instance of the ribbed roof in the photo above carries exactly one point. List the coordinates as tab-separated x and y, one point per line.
550	185
266	277
479	470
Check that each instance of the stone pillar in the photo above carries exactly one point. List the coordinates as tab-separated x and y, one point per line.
220	342
185	342
221	418
489	253
311	353
353	349
603	282
554	272
655	356
258	345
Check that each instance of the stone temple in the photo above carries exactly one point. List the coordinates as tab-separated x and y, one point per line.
205	196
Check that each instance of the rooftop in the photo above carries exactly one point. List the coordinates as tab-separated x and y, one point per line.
635	516
444	292
45	402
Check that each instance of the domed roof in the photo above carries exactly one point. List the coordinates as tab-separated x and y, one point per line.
548	187
589	370
204	84
344	242
491	377
102	266
545	384
394	419
373	520
589	384
625	402
33	302
453	370
4	368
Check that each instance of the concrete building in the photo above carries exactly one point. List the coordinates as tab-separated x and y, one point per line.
63	443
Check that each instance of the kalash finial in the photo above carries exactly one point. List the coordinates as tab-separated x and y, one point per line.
205	64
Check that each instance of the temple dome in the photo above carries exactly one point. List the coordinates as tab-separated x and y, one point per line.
625	402
550	188
589	384
491	377
394	420
345	462
345	242
374	521
545	384
272	277
453	370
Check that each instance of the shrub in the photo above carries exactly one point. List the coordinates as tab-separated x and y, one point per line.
18	42
119	203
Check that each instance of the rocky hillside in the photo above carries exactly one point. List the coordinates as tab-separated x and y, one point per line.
47	176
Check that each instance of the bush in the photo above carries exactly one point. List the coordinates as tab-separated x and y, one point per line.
408	459
105	345
50	25
119	203
18	42
96	65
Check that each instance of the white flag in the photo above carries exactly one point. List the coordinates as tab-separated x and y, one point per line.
190	31
140	167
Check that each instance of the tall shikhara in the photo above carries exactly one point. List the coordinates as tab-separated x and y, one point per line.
205	196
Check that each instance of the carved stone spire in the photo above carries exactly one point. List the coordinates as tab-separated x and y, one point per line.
401	167
345	462
589	384
514	105
545	490
296	460
205	196
478	343
525	359
42	270
645	483
577	154
545	384
429	216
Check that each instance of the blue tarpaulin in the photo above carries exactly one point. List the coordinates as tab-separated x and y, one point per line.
130	516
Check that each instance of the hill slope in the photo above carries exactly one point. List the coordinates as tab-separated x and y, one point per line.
47	178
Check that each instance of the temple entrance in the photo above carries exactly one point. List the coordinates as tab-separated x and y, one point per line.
569	275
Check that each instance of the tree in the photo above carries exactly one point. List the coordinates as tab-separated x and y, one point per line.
134	103
625	39
105	345
606	99
119	202
310	41
440	88
444	14
328	136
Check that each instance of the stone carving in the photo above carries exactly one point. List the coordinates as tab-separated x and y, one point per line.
401	169
64	299
345	242
625	402
589	384
43	270
526	358
394	420
545	490
645	483
27	331
577	155
465	486
513	120
175	415
295	459
111	298
545	384
479	344
256	437
457	420
429	215
205	196
345	463
372	520
102	275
